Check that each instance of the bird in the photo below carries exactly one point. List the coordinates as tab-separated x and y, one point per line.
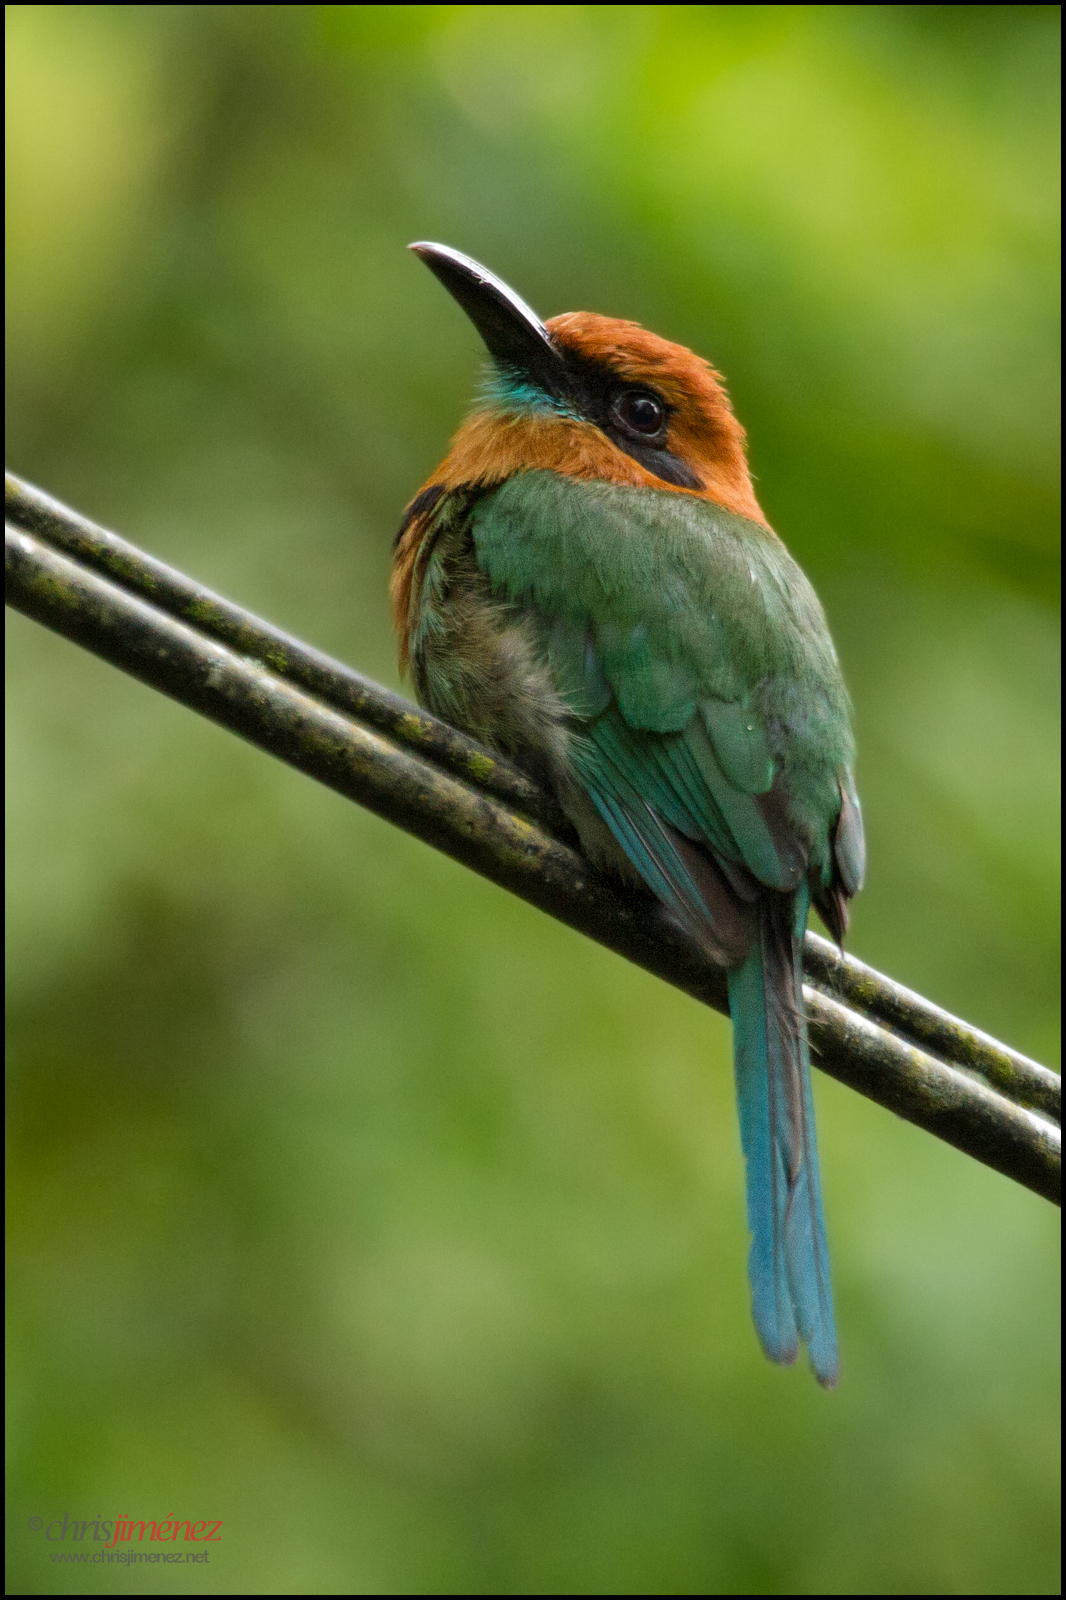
588	585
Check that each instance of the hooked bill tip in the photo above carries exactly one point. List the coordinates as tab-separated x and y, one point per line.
431	253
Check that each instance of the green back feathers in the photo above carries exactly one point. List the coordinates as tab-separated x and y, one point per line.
698	624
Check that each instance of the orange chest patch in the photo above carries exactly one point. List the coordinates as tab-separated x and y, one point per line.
492	446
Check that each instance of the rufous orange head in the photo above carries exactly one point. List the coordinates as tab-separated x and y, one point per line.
591	397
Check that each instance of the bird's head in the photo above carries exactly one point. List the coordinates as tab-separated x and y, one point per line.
590	397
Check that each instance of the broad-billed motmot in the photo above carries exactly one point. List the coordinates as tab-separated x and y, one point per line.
588	585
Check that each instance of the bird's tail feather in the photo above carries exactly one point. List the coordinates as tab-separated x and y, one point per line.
789	1261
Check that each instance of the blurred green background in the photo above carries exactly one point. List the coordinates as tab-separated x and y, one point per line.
355	1203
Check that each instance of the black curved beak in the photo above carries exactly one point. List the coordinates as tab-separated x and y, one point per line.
514	335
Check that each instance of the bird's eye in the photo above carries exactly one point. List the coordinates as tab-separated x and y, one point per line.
639	411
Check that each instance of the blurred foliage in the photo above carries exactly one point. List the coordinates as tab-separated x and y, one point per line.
354	1203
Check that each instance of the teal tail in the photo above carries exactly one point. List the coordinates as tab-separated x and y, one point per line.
789	1261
